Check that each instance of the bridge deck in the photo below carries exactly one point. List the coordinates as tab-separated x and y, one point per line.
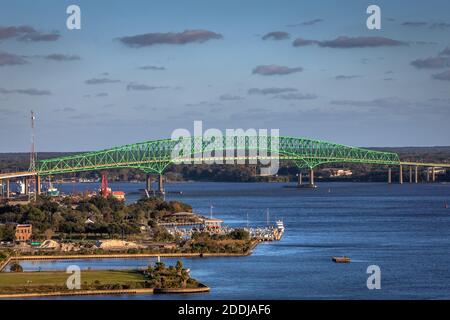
21	174
426	164
11	175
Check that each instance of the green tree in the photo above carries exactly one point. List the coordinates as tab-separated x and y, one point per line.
15	267
160	266
7	232
184	277
35	215
239	234
179	267
118	216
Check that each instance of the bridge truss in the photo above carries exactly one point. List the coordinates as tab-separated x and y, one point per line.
156	156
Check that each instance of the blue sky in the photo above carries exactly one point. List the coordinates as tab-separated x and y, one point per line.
89	90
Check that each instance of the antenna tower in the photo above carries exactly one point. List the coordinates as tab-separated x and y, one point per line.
33	158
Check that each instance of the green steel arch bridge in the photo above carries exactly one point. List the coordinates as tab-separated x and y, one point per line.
156	156
153	157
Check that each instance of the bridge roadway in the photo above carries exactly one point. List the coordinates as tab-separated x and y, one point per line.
425	164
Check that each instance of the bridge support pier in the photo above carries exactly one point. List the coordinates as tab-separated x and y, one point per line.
400	175
300	179
148	183
433	174
161	184
311	179
410	175
416	174
428	174
389	175
27	185
1	188
8	191
38	185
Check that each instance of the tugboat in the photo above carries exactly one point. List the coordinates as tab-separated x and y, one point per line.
343	259
51	190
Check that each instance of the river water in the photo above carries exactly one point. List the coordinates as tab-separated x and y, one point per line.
403	229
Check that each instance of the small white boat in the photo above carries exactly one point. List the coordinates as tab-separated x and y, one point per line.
20	187
280	229
280	225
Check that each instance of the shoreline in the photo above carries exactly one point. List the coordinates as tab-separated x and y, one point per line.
77	293
124	256
118	256
201	289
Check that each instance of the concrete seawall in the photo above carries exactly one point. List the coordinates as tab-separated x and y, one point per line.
77	293
124	256
200	289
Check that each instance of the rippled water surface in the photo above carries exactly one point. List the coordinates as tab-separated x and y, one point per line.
405	230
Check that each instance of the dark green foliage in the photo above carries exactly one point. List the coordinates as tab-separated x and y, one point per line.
7	232
15	267
3	255
161	276
239	234
108	216
204	242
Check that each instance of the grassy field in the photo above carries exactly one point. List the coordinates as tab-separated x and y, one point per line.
59	278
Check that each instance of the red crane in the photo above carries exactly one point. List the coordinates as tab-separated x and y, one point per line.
105	191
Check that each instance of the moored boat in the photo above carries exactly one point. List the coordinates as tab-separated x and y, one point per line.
52	192
280	229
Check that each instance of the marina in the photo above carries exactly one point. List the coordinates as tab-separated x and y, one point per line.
212	225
